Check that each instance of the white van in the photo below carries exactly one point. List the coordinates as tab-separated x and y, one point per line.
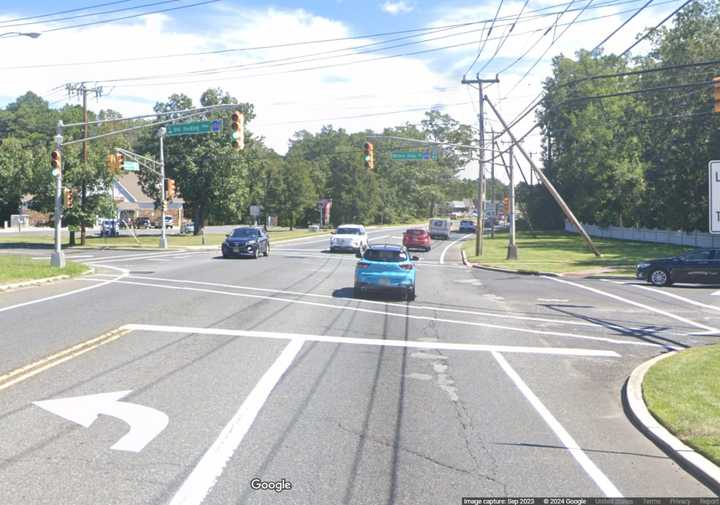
440	228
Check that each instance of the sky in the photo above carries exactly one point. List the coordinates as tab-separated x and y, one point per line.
394	62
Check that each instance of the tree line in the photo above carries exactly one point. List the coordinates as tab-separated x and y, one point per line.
639	157
217	183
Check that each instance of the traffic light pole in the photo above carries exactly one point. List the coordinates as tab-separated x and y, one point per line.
58	258
163	236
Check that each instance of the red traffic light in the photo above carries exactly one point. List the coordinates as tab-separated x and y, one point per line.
56	159
369	156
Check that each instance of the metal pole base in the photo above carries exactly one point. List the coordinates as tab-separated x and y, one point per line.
512	252
163	243
57	260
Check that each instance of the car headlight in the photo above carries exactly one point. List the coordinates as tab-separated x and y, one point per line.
643	265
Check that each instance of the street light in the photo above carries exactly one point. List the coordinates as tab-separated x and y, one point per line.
32	35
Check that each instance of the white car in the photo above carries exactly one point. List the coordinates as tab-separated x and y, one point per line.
349	237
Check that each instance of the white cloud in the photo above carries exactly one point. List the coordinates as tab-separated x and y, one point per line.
398	7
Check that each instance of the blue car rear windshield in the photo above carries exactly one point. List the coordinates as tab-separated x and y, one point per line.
244	233
388	256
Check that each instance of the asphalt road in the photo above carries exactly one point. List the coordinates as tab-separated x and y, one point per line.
227	371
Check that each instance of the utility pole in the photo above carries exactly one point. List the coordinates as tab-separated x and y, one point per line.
82	90
512	247
163	237
546	182
492	182
58	258
481	161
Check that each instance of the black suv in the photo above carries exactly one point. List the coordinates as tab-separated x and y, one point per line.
246	241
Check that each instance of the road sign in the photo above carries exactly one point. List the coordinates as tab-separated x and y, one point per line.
145	423
427	154
195	128
714	198
254	210
131	166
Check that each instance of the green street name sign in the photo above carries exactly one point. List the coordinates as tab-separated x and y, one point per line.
195	128
131	166
414	155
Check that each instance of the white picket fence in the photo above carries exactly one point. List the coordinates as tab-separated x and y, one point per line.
690	239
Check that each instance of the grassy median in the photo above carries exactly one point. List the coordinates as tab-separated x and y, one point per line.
15	269
561	252
683	393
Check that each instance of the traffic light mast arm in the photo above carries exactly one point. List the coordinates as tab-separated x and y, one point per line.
143	161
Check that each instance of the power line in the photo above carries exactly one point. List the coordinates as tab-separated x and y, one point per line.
68	11
507	35
90	14
552	43
492	25
224	69
621	26
647	34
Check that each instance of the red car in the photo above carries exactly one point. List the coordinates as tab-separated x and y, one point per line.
417	238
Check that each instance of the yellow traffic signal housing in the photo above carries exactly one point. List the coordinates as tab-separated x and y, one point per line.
170	189
716	93
67	198
237	128
506	205
56	162
369	150
111	163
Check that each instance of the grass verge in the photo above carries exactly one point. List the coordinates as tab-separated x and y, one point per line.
683	393
560	252
15	269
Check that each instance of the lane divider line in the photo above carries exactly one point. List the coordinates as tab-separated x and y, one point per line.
123	273
678	297
391	314
375	302
446	346
636	304
447	248
206	473
32	369
602	481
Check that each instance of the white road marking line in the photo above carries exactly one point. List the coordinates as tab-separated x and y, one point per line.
607	487
677	297
557	300
78	256
391	314
413	344
370	239
614	282
637	304
447	248
208	470
124	273
371	302
114	259
40	258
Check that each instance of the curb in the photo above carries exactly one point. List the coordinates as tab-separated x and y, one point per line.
697	465
38	282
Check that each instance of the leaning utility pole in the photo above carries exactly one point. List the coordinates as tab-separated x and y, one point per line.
492	183
512	246
481	161
82	90
546	182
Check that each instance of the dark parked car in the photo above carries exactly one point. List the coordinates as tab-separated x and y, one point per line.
701	266
143	222
246	241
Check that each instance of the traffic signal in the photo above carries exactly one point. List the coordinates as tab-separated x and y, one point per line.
169	189
56	162
68	198
111	163
506	205
237	129
119	162
716	88
369	156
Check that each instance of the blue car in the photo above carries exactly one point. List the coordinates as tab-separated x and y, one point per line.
387	269
246	241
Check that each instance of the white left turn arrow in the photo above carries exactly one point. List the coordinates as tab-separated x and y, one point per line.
145	423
